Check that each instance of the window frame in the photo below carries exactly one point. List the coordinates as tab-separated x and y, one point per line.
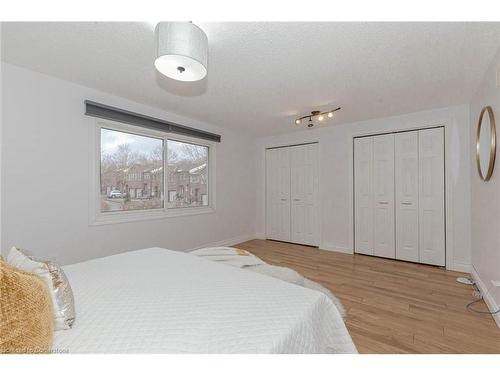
97	217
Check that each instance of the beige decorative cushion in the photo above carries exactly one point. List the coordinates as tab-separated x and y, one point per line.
57	282
26	316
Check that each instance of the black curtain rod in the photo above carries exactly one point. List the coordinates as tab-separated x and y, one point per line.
116	114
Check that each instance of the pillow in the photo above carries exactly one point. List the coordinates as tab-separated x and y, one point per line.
64	303
57	282
26	312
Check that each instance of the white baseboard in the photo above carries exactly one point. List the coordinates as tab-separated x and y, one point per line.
260	236
338	249
488	299
459	267
227	242
456	266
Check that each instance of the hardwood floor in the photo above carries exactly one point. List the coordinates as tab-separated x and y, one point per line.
392	307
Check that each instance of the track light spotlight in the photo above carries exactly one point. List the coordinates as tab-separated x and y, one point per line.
319	114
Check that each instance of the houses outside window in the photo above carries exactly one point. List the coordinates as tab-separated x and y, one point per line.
125	157
188	173
137	167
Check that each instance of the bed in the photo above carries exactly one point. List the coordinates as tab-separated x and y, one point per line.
162	301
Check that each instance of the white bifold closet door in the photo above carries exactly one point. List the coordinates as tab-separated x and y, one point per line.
407	181
399	196
431	192
420	215
292	191
383	196
304	188
363	195
278	194
374	195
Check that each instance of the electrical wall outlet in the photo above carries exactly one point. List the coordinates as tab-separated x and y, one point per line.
495	283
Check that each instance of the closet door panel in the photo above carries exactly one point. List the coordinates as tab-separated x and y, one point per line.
407	191
431	193
304	191
383	196
363	195
278	194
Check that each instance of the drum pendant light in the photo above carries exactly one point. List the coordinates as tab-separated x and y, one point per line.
181	51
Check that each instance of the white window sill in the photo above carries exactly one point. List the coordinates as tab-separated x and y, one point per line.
158	214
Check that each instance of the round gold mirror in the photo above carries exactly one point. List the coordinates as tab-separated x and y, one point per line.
486	143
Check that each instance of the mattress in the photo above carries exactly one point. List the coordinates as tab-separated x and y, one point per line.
162	301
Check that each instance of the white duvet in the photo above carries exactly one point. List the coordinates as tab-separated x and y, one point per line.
235	257
161	301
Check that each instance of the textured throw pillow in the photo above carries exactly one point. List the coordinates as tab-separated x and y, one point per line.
64	303
57	282
26	316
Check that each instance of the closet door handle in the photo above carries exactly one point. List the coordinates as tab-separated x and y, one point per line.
296	199
406	203
383	202
284	199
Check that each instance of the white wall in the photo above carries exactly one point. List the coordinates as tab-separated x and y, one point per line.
336	185
45	148
45	185
485	196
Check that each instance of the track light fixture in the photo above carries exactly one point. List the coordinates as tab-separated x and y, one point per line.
320	115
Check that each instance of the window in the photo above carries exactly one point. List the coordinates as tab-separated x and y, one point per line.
172	195
187	173
124	158
145	174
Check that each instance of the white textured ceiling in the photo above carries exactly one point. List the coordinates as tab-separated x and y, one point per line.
262	75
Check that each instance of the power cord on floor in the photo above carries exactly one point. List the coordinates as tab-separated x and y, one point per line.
480	297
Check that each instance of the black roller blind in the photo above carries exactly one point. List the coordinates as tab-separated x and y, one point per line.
116	114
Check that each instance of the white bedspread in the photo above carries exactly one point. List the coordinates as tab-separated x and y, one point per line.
235	257
161	301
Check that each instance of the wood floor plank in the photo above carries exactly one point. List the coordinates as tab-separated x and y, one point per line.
392	307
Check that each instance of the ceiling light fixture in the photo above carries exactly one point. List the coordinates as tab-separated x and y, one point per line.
320	115
181	51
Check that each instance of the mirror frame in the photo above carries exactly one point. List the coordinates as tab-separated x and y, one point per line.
493	143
